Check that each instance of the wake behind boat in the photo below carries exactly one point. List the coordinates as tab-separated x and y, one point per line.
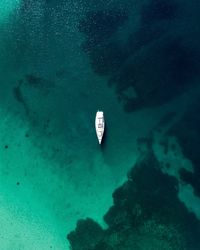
99	125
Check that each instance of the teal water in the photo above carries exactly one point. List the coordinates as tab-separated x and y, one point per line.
56	71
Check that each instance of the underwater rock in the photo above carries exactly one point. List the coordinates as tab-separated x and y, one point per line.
146	214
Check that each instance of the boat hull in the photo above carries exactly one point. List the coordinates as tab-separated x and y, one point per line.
100	125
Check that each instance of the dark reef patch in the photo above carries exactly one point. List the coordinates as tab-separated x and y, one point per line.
153	59
146	213
87	234
157	74
156	195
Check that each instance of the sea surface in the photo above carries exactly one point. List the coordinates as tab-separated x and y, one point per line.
60	62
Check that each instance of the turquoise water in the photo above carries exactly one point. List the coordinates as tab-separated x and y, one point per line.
59	63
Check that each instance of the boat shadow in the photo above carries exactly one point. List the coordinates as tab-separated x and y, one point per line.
104	140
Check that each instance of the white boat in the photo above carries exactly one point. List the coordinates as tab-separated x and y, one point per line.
99	125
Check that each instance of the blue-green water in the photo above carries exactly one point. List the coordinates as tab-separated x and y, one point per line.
61	61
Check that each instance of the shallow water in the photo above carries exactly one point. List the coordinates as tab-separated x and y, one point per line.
52	170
